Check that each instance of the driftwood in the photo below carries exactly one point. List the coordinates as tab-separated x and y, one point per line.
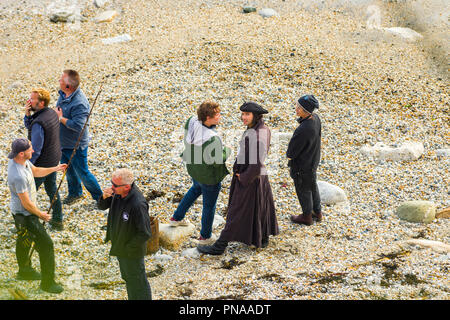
443	214
17	294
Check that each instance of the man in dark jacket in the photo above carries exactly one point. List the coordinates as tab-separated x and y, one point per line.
304	155
43	132
128	229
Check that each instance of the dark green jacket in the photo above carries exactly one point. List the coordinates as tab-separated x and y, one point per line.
205	163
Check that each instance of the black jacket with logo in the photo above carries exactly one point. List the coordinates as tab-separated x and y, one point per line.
128	225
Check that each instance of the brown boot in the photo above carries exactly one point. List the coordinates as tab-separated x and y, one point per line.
303	219
317	216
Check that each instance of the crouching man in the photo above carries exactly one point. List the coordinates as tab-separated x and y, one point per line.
128	228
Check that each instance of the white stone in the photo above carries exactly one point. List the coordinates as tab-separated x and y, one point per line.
172	238
60	12
443	152
406	152
278	136
417	211
406	33
330	194
122	38
218	220
267	13
106	16
191	253
100	3
15	85
162	257
434	245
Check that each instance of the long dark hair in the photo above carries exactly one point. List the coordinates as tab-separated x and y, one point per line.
256	118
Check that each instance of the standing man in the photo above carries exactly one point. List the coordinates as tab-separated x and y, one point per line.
26	216
128	229
304	155
73	109
43	132
205	162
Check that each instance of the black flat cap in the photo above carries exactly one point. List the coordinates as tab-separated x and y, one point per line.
253	107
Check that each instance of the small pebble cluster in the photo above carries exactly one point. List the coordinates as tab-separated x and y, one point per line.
373	87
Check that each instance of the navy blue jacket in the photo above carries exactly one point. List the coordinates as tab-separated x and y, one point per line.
75	109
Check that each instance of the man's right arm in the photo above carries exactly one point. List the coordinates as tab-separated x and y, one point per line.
106	199
31	207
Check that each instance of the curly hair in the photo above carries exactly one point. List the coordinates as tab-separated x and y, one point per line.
207	109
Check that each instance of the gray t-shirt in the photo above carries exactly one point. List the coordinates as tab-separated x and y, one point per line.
20	180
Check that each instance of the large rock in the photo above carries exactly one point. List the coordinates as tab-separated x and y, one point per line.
267	13
417	211
106	16
172	238
406	152
330	194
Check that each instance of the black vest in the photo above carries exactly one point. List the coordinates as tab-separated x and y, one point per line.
51	150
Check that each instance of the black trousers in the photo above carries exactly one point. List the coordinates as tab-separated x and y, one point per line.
133	272
50	188
307	191
29	230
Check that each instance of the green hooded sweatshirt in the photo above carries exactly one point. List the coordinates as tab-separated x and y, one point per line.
204	154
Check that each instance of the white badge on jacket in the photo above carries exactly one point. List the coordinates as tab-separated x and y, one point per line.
125	216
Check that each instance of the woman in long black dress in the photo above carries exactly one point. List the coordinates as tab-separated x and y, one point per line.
251	215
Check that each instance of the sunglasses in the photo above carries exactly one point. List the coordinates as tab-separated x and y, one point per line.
117	185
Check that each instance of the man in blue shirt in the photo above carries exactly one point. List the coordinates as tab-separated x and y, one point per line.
43	132
73	109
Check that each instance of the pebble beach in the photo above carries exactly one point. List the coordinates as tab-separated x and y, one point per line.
373	87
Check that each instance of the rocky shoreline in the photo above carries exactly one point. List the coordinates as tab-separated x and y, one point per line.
378	92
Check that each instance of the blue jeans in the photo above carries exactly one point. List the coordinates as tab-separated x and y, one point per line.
210	194
50	188
79	172
133	272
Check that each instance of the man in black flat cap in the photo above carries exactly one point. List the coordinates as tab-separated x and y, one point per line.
303	154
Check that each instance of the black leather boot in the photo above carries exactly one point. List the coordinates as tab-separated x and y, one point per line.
216	249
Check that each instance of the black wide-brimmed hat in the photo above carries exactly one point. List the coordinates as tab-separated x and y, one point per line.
253	107
309	103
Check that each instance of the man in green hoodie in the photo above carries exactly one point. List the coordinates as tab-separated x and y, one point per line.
205	158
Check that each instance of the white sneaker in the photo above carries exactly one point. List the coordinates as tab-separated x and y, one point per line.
176	223
206	242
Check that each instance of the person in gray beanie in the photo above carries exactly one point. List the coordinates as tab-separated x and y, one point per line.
303	154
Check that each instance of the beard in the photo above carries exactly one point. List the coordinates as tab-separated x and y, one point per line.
34	108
